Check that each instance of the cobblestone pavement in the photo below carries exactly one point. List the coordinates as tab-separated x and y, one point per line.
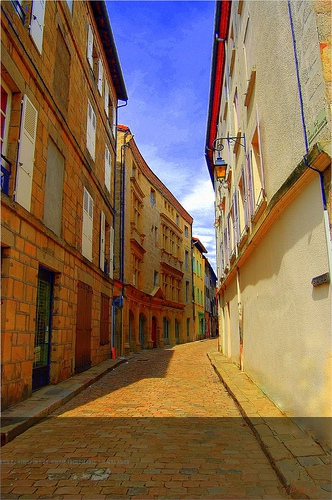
160	426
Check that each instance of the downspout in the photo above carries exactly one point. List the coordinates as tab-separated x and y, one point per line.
114	303
305	135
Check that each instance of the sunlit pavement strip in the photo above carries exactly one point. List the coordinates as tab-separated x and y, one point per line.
159	426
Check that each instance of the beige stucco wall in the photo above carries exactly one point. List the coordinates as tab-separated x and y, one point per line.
286	321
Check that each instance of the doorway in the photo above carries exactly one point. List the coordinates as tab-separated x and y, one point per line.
83	328
41	361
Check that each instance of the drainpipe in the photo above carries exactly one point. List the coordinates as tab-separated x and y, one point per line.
305	136
114	304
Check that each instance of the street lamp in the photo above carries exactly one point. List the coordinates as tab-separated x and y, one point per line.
220	166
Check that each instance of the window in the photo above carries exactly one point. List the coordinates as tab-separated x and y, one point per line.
136	213
243	208
107	169
187	291
155	278
152	197
6	98
137	263
5	116
186	259
87	225
177	220
186	231
155	236
247	48
37	23
91	131
236	112
104	320
89	54
114	119
107	99
100	77
70	5
106	252
257	168
26	154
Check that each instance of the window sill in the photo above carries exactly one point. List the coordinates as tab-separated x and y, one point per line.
260	207
243	237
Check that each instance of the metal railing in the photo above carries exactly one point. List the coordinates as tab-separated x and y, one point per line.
6	170
19	9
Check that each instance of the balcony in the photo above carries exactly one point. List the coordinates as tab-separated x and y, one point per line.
6	170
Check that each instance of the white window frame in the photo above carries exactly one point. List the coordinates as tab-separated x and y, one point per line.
89	53
100	76
107	168
37	23
107	98
5	114
91	131
87	226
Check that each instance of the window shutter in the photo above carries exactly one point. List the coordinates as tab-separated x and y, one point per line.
107	169
91	130
260	152
26	154
102	241
93	135
90	46
106	100
87	225
111	251
37	22
100	76
114	119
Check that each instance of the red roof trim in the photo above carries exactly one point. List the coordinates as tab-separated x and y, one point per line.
217	75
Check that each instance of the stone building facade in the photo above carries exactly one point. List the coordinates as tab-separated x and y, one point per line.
270	121
211	311
199	288
153	257
61	84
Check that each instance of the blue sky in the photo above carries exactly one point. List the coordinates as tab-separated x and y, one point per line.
165	52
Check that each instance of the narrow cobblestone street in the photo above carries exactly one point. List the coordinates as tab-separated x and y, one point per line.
158	426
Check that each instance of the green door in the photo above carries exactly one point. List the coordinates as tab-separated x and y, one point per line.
41	363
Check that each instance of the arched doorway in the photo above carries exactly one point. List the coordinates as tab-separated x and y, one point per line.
154	332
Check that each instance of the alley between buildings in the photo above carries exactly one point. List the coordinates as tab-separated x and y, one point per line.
161	425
